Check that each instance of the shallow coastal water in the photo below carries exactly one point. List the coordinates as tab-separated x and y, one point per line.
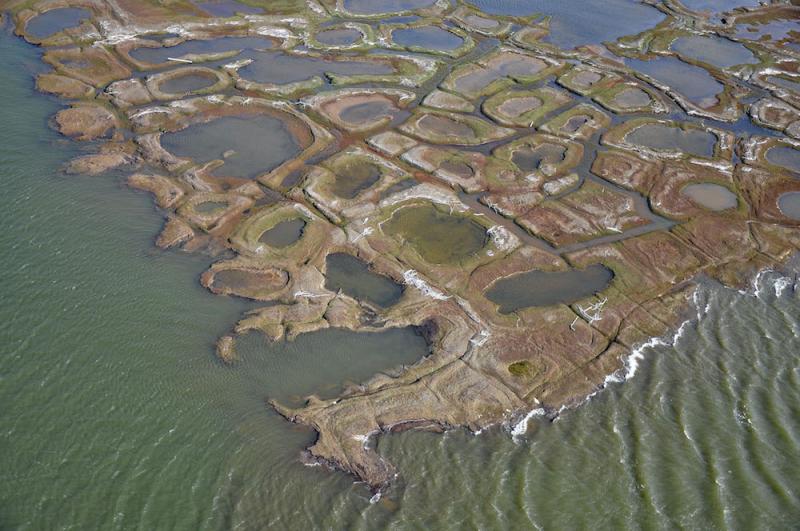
208	207
367	112
773	30
118	415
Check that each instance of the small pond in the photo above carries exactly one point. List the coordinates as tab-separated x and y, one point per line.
353	276
785	156
789	204
529	159
438	238
546	288
284	233
352	179
281	68
431	37
711	196
259	144
664	137
227	8
694	82
187	83
376	7
578	22
338	37
716	51
56	20
207	47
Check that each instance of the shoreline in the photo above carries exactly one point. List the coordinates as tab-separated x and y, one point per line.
484	367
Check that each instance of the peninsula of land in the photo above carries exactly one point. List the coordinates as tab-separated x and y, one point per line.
534	210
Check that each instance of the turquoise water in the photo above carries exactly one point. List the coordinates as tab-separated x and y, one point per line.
116	414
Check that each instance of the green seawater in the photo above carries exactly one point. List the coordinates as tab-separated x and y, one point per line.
115	414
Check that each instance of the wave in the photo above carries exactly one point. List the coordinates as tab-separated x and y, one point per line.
766	281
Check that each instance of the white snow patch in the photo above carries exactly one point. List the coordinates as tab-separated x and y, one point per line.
412	278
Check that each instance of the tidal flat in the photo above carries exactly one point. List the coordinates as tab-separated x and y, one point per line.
497	205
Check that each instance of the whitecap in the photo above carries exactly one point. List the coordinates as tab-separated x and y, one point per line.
521	427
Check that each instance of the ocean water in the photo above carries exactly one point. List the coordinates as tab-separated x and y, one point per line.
116	415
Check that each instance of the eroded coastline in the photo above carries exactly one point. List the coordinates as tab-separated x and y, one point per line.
556	143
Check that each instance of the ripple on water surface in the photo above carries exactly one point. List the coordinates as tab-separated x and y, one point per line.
704	436
121	418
